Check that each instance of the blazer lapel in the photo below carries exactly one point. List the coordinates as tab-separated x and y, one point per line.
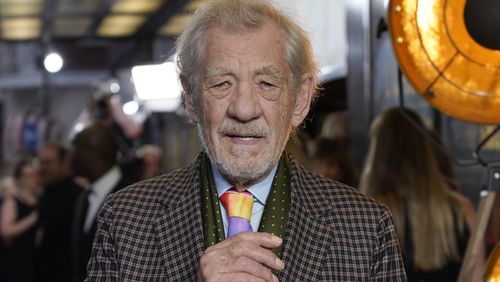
307	238
179	227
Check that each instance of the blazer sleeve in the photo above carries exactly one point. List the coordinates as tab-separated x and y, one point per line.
387	261
103	265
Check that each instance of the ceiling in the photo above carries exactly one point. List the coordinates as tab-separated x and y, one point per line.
45	20
113	34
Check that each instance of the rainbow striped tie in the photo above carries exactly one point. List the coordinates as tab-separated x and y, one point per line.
238	206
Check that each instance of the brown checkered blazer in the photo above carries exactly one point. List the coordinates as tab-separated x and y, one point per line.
152	231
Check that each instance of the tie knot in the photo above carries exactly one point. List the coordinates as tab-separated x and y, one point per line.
237	204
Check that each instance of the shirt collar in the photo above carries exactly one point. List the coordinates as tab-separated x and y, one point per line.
105	184
260	190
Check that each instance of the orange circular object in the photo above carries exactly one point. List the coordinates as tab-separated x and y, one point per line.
453	72
492	269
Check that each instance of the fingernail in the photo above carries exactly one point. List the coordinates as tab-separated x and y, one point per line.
280	263
275	278
276	239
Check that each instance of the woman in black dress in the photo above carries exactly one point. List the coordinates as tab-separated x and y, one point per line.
18	219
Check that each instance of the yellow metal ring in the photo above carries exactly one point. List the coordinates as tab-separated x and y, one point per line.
446	66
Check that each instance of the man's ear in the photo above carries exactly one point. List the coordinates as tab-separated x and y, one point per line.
188	99
303	100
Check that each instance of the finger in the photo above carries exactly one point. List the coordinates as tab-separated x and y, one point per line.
250	266
256	253
237	249
263	239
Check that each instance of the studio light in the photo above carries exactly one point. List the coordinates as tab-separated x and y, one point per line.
114	87
53	62
131	108
158	86
155	82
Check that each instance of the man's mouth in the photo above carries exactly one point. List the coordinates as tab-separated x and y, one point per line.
244	138
236	135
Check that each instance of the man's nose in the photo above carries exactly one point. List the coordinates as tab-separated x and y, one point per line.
245	104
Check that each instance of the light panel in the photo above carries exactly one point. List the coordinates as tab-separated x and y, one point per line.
20	28
24	2
120	25
135	6
20	8
175	25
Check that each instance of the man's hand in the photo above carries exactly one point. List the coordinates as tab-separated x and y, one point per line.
243	257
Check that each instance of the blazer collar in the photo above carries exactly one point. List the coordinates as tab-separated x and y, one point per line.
179	226
185	183
315	200
305	231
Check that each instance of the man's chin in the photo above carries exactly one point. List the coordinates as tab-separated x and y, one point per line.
244	174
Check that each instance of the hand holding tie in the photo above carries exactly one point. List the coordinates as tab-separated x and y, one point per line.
246	256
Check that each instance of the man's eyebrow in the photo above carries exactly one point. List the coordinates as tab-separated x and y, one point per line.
221	71
213	72
271	71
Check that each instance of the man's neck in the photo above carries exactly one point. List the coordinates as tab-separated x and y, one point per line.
99	172
243	184
222	184
107	181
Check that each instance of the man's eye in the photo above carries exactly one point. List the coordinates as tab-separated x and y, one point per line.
267	85
221	86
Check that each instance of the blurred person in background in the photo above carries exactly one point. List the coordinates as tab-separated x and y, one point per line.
57	205
94	157
433	222
150	157
445	163
298	145
18	220
493	231
447	171
105	107
145	164
334	160
7	187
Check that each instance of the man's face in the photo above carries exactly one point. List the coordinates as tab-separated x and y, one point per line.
52	168
80	157
247	106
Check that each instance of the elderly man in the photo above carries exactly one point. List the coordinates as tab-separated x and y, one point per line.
249	78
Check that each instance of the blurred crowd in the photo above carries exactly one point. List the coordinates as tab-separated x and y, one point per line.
49	200
410	170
